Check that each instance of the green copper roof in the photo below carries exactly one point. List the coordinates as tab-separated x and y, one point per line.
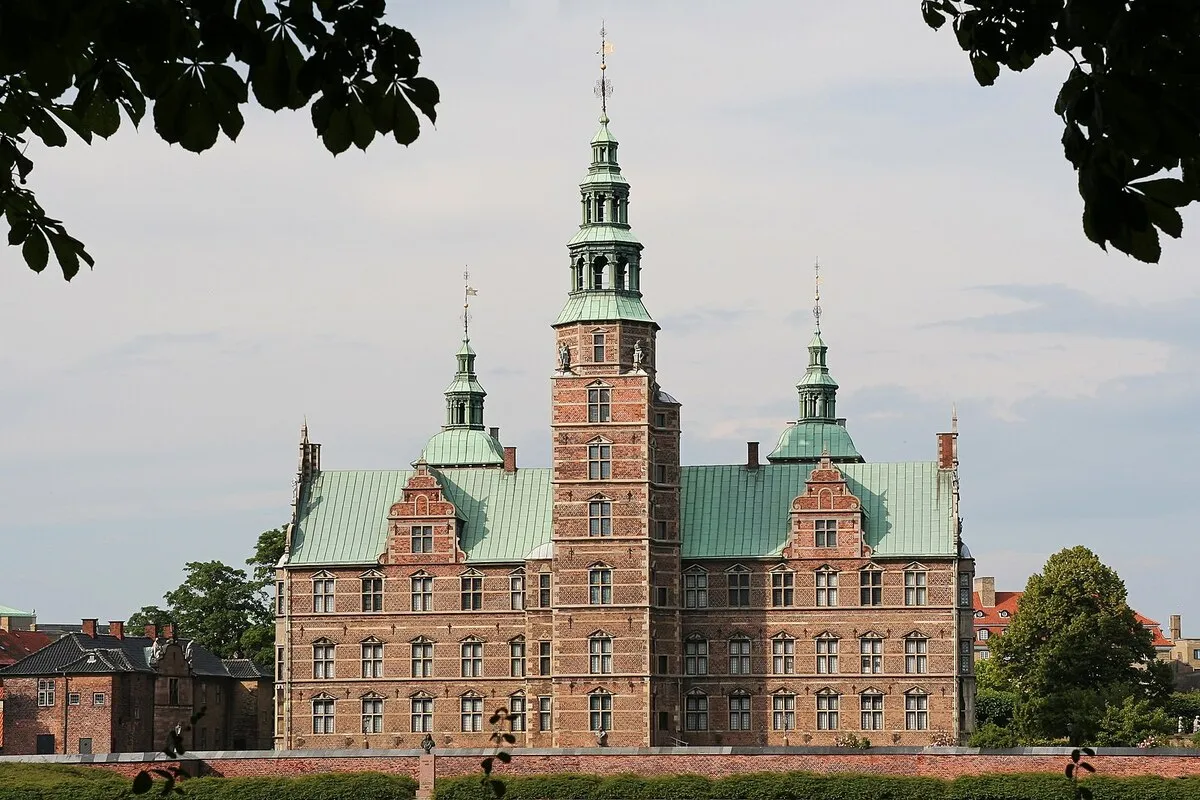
603	233
9	611
808	440
465	384
603	134
343	519
606	306
462	447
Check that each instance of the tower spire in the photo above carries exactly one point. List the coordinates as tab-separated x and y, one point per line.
817	296
468	293
604	86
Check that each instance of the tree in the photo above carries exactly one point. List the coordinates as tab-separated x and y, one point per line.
147	615
1130	104
77	64
216	605
267	552
1132	721
1073	647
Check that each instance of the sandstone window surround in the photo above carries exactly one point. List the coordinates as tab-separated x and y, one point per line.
783	711
372	713
783	587
738	579
916	710
825	533
471	712
599	516
600	404
783	654
372	658
739	655
516	657
826	581
916	654
916	585
421	537
599	459
372	591
600	579
471	590
870	705
870	651
421	652
739	710
827	654
695	588
322	713
544	667
600	654
421	588
598	347
545	715
421	713
516	590
544	590
279	662
696	711
600	703
471	652
516	708
323	585
870	586
828	706
323	659
695	655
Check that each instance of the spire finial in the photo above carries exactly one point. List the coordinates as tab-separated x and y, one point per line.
817	295
954	417
604	86
304	430
468	293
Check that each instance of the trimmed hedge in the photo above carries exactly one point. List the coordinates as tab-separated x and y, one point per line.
809	786
61	782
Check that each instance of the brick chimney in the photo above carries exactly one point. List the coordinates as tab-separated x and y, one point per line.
1176	627
168	631
494	433
510	459
89	628
947	450
151	631
116	628
752	455
987	591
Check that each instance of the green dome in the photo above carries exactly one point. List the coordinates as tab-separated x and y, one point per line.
807	441
463	447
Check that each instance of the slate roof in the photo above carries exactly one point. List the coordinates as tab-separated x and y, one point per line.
243	669
15	645
727	511
76	653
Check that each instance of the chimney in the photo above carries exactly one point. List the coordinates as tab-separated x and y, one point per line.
495	433
841	421
510	459
1176	627
89	628
116	628
947	450
151	631
987	591
751	455
168	631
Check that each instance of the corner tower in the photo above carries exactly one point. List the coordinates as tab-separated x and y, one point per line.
615	439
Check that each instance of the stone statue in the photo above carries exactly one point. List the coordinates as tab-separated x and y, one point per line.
427	743
1179	725
601	737
1196	725
564	358
157	648
638	355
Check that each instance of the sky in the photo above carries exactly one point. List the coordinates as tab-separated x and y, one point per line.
150	408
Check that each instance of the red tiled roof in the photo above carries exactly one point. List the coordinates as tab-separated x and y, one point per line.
1155	629
1007	601
15	645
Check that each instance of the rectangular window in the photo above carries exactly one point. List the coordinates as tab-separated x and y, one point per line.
600	587
600	655
827	712
516	658
964	589
72	699
964	656
662	596
172	691
372	594
422	593
871	710
372	715
422	659
739	712
544	714
826	532
870	587
599	405
543	658
600	711
472	592
98	698
827	587
422	538
544	589
372	660
916	659
472	659
695	590
421	715
471	710
599	462
663	665
870	650
660	473
739	656
516	709
783	708
598	338
322	661
516	592
280	601
599	518
827	656
782	588
660	529
322	716
739	588
696	712
660	420
783	656
916	590
695	657
916	712
323	595
984	633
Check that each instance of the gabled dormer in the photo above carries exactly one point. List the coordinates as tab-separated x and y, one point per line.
827	519
423	525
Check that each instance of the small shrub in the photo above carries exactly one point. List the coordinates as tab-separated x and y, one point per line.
993	737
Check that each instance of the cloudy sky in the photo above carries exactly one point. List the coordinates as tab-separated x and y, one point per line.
149	410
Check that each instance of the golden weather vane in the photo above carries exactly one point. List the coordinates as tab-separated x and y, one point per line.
604	85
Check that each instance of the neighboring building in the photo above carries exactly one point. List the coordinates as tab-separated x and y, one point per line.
90	692
618	597
1184	656
15	645
12	619
994	612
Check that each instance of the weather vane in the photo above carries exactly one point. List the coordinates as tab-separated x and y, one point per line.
468	293
817	296
604	85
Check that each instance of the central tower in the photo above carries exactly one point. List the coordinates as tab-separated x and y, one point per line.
615	435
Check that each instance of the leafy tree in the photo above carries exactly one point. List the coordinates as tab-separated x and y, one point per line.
147	615
1131	721
1074	645
1130	104
216	605
1184	704
993	736
78	64
267	552
994	707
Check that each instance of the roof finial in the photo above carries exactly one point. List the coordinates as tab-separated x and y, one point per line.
468	293
954	417
304	430
817	296
604	86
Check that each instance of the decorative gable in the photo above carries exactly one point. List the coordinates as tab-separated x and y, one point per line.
423	525
827	519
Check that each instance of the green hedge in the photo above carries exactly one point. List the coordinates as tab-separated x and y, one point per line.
61	782
808	786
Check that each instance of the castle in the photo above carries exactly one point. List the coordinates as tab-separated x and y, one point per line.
618	598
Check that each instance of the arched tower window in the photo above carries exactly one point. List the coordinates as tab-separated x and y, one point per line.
619	273
601	201
579	275
598	267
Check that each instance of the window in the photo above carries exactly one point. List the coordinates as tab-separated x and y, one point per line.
544	589
322	713
739	711
1196	655
695	657
97	698
472	659
827	586
916	659
543	657
870	587
544	713
871	708
739	586
421	710
323	653
422	537
916	711
825	532
280	602
978	614
739	656
172	691
916	590
598	344
599	405
372	715
372	660
600	711
471	587
516	658
599	461
600	655
422	658
870	650
516	708
984	633
783	712
783	655
660	473
599	586
323	595
696	712
964	589
827	711
1004	614
598	265
600	518
516	591
662	596
600	203
471	713
372	594
578	272
695	589
663	664
660	420
782	588
660	529
964	656
827	655
72	698
422	592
